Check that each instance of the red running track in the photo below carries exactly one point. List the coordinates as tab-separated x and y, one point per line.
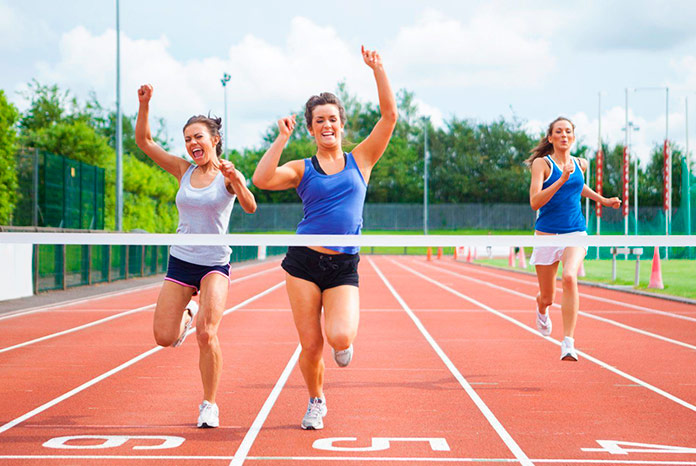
448	369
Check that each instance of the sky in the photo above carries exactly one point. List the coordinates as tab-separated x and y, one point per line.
479	60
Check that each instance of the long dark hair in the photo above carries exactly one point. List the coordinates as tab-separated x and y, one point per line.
214	126
544	147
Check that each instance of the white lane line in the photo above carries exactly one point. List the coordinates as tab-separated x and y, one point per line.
348	458
110	294
582	313
490	417
642	383
75	329
596	298
48	307
243	449
106	319
115	370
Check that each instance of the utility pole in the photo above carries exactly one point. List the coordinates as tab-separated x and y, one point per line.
225	79
119	128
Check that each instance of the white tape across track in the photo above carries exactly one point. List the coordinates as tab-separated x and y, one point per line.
344	240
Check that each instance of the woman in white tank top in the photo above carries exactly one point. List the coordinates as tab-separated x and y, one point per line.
207	191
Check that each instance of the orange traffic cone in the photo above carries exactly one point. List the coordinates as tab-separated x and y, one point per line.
656	274
468	256
456	248
523	259
429	254
511	257
439	253
581	270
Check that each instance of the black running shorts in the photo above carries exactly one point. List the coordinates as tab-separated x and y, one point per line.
324	270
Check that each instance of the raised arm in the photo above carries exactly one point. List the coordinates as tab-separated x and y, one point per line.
368	152
143	138
268	175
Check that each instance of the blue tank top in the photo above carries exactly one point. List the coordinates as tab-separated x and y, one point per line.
562	214
332	204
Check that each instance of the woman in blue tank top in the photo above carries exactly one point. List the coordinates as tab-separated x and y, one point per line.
332	186
555	191
207	191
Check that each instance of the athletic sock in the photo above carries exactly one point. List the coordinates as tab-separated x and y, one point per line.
569	341
542	317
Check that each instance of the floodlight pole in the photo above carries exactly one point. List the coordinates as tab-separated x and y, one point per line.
119	128
599	148
225	79
425	175
688	171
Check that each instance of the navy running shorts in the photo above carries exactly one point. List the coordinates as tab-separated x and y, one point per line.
324	270
188	274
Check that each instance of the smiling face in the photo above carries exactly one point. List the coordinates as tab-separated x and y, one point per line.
200	145
326	125
562	135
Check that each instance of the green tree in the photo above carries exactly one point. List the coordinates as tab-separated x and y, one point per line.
8	173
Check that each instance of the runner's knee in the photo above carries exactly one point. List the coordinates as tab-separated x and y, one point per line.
205	335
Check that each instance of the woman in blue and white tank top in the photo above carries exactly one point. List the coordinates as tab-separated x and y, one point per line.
332	186
207	191
555	191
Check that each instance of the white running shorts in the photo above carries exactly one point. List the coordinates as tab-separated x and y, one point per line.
547	255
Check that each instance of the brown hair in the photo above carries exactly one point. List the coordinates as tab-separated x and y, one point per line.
544	147
213	124
323	99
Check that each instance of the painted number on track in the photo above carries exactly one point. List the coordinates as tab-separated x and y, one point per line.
619	447
113	441
378	443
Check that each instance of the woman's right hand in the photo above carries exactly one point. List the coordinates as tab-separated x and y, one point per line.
286	126
145	93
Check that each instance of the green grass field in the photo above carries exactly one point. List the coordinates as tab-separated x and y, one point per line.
678	275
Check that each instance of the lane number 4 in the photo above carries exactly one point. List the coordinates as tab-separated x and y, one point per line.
619	447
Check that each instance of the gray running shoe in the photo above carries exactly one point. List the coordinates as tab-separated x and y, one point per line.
568	351
208	415
192	309
313	418
343	357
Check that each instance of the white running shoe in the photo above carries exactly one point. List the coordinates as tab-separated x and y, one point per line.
544	327
568	350
208	415
313	418
343	357
192	309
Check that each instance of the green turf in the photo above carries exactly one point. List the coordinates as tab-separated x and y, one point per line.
678	275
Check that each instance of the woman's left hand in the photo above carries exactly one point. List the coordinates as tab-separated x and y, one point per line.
613	202
371	58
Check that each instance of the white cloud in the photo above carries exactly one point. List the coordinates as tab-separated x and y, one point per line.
434	113
491	50
645	133
267	81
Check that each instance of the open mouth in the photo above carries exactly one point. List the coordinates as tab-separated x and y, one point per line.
197	153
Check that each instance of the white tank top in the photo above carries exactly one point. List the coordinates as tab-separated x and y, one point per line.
203	210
